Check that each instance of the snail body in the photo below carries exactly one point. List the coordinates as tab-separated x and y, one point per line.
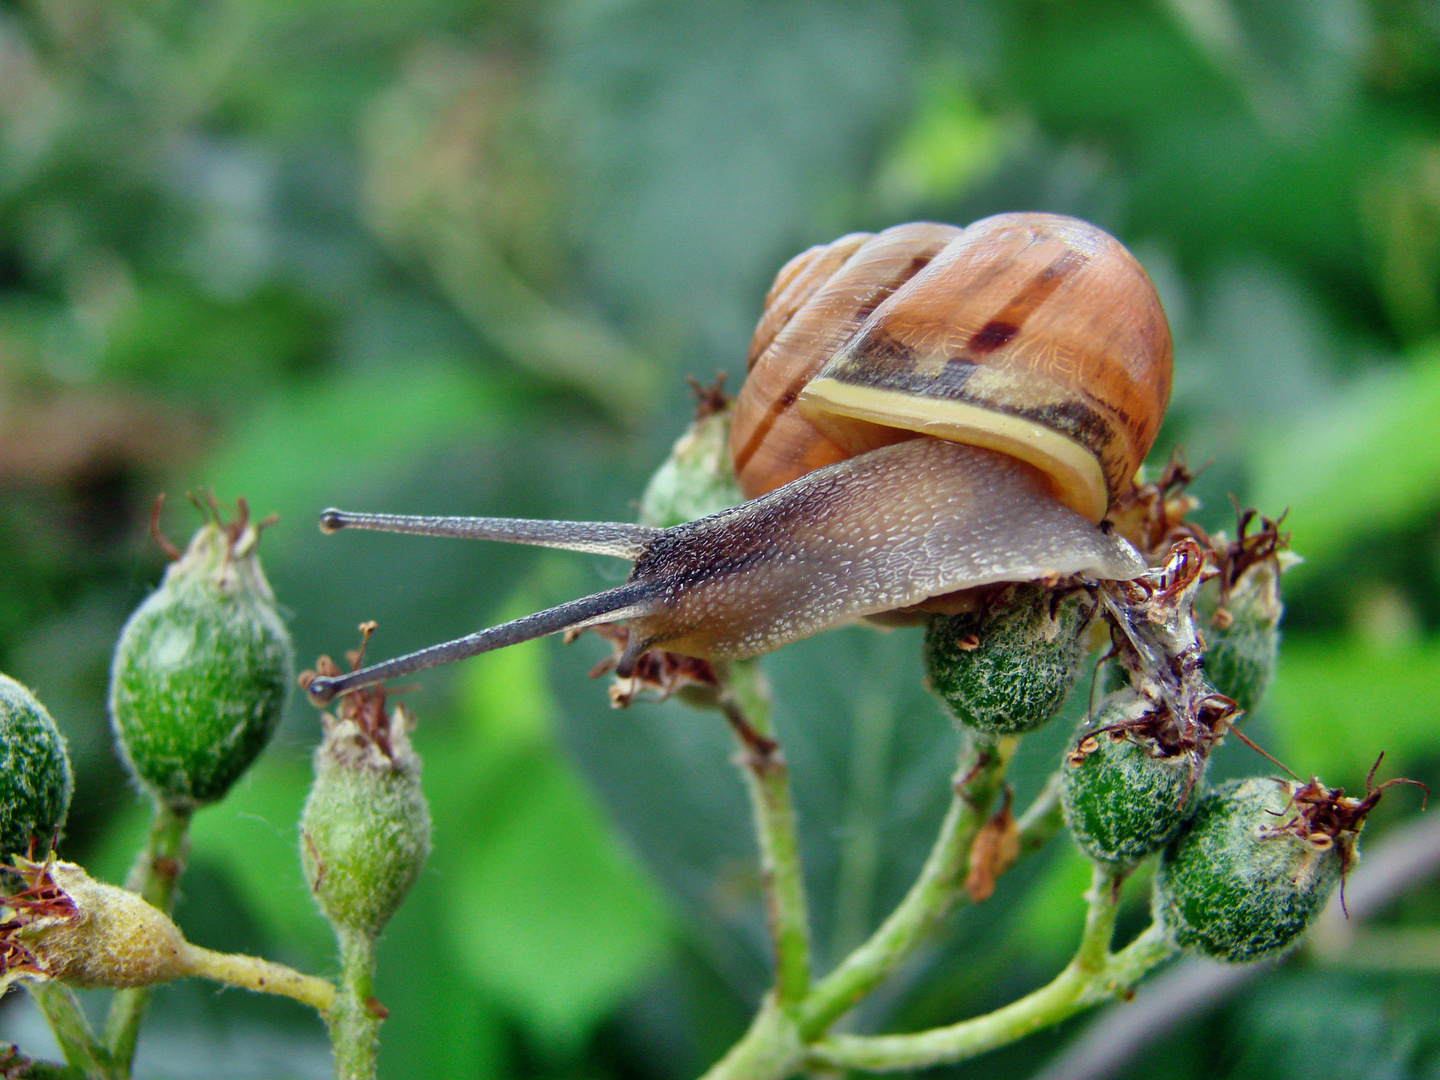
927	410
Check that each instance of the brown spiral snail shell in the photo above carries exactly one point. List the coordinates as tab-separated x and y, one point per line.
927	410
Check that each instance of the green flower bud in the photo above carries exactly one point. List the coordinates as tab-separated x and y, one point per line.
1242	635
365	829
1239	610
1124	788
1258	861
35	781
201	670
1007	668
697	479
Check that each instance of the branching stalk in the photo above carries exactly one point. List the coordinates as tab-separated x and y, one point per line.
1093	975
770	1050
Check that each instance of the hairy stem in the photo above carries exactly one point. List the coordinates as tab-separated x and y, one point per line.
1093	975
745	703
355	1016
262	976
982	767
154	876
72	1031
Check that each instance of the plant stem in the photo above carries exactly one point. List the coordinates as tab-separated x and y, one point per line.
355	1016
154	876
745	703
158	866
71	1030
1042	819
262	976
1094	974
771	1048
38	1070
982	766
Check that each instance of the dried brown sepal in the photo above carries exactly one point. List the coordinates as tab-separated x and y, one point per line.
163	542
1152	516
40	899
1327	817
658	674
993	851
240	534
366	706
1233	558
66	926
709	400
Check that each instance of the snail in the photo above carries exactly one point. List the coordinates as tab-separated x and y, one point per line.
927	410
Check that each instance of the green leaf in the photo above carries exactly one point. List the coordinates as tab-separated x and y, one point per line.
1367	460
1337	703
292	456
552	918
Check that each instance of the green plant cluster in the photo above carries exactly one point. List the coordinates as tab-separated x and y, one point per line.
449	257
200	673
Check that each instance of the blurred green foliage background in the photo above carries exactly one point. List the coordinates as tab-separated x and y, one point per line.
448	256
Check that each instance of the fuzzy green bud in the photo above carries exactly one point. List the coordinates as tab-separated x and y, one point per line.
35	780
697	479
1251	871
201	670
1242	633
365	829
1007	668
1123	792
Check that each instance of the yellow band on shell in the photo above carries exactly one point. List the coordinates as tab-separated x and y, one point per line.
1080	483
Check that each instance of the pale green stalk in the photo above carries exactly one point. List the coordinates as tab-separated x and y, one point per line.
261	976
72	1031
154	876
746	704
355	1019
